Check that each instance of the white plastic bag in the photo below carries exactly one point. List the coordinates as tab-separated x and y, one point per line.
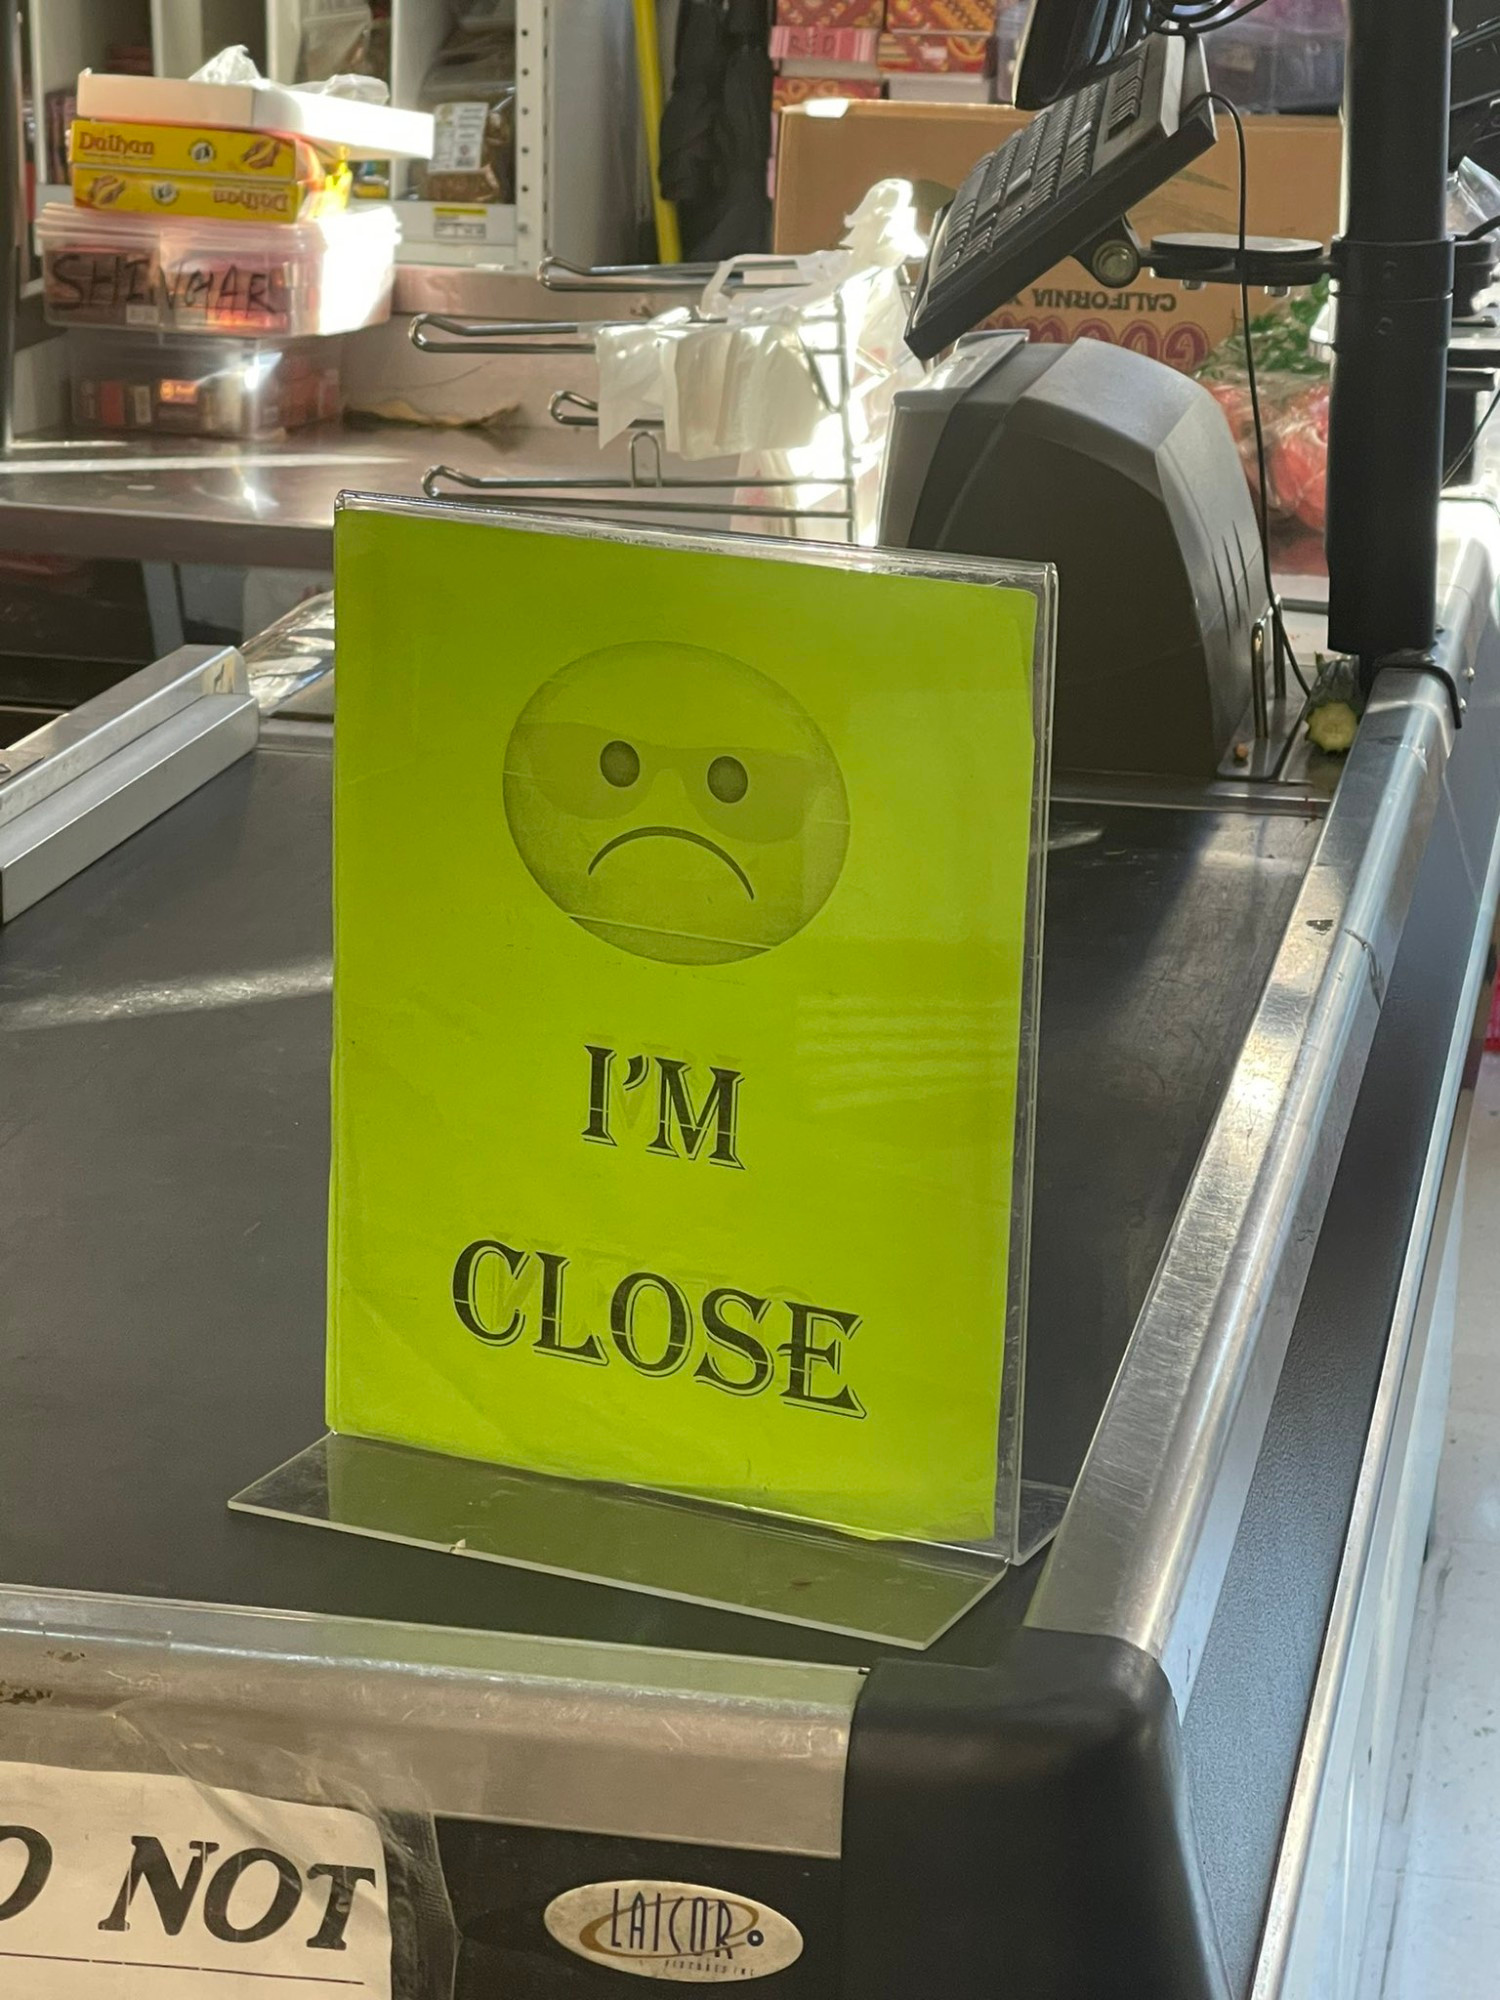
757	371
236	65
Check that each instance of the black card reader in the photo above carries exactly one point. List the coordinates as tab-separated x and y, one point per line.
1124	475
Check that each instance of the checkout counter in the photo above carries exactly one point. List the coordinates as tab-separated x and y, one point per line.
1152	1759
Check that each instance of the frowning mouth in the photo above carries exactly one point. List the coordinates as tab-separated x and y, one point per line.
674	833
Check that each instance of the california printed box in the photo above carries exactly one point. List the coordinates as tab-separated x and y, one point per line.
680	1141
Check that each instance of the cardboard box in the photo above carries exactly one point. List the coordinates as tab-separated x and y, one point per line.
930	87
937	55
208	197
829	51
816	72
789	90
828	163
961	17
830	13
363	131
192	149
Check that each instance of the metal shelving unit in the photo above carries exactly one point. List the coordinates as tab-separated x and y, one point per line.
580	185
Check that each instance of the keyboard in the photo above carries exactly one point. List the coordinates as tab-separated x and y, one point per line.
1059	183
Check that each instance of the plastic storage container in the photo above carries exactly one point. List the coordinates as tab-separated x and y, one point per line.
204	386
1290	62
170	275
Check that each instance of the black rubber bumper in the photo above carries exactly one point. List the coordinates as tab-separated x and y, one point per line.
1023	1830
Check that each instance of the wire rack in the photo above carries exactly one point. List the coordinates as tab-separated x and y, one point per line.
646	485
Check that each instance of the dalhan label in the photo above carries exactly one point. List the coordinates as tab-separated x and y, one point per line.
678	1931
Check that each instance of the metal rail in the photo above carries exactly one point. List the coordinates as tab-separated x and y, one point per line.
1145	1544
598	1738
1406	1424
83	782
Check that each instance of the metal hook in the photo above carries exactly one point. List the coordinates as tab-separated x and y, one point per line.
646	484
574	411
639	437
479	336
558	275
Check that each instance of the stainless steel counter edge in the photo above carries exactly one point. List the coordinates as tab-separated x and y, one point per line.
1371	1528
1146	1540
562	1733
61	750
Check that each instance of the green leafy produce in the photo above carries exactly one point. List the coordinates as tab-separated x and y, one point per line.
1282	338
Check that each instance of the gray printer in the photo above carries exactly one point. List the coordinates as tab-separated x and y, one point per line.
1123	474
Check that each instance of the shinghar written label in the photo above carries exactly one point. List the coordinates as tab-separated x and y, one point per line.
111	1880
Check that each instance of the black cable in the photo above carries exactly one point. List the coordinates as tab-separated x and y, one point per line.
1253	383
1466	450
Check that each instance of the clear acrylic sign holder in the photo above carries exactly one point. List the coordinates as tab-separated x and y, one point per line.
769	1565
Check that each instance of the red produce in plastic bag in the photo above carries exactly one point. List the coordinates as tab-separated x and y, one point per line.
1299	457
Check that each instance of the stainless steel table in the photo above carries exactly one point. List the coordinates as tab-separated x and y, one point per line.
173	500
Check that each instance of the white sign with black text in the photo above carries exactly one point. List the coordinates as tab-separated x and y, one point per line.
120	1886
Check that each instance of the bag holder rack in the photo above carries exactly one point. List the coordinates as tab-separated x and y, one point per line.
646	485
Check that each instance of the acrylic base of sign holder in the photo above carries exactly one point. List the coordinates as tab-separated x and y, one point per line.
834	1017
797	1572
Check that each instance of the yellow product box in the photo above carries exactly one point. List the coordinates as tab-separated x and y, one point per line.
194	149
209	197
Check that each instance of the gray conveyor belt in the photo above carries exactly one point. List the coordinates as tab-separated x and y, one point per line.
163	1166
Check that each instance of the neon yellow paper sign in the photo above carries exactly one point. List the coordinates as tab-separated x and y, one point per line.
682	930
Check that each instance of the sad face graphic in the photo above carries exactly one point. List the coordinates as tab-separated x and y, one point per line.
676	803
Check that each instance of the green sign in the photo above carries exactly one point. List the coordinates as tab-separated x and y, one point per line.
680	913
